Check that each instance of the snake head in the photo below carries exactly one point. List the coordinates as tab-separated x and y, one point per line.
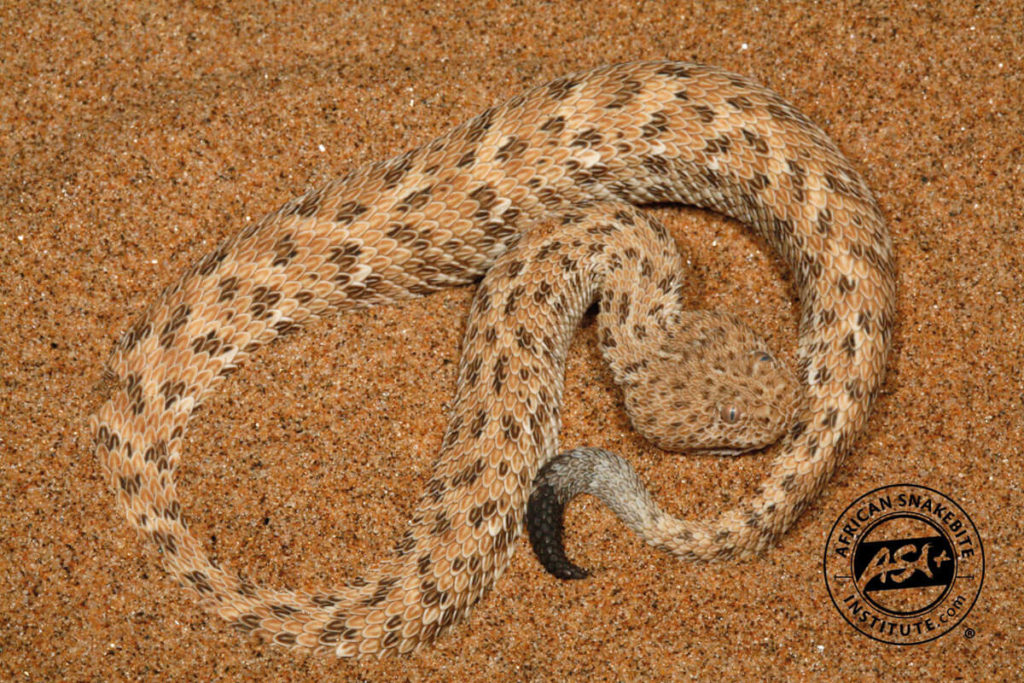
714	386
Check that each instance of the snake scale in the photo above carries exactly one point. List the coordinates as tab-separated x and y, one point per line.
442	214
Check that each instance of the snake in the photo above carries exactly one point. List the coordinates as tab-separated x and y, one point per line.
443	214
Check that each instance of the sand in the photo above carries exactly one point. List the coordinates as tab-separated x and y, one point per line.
133	139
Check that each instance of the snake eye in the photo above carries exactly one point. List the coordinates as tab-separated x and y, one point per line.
729	414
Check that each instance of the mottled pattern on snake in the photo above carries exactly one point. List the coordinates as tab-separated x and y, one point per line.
441	215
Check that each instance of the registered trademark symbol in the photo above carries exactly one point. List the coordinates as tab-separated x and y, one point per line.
968	632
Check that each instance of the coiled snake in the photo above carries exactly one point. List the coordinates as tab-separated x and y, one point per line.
566	156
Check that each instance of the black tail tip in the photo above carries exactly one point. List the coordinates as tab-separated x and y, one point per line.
545	522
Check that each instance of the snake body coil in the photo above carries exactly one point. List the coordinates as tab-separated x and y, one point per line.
441	215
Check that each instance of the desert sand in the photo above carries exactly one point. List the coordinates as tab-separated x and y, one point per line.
134	138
